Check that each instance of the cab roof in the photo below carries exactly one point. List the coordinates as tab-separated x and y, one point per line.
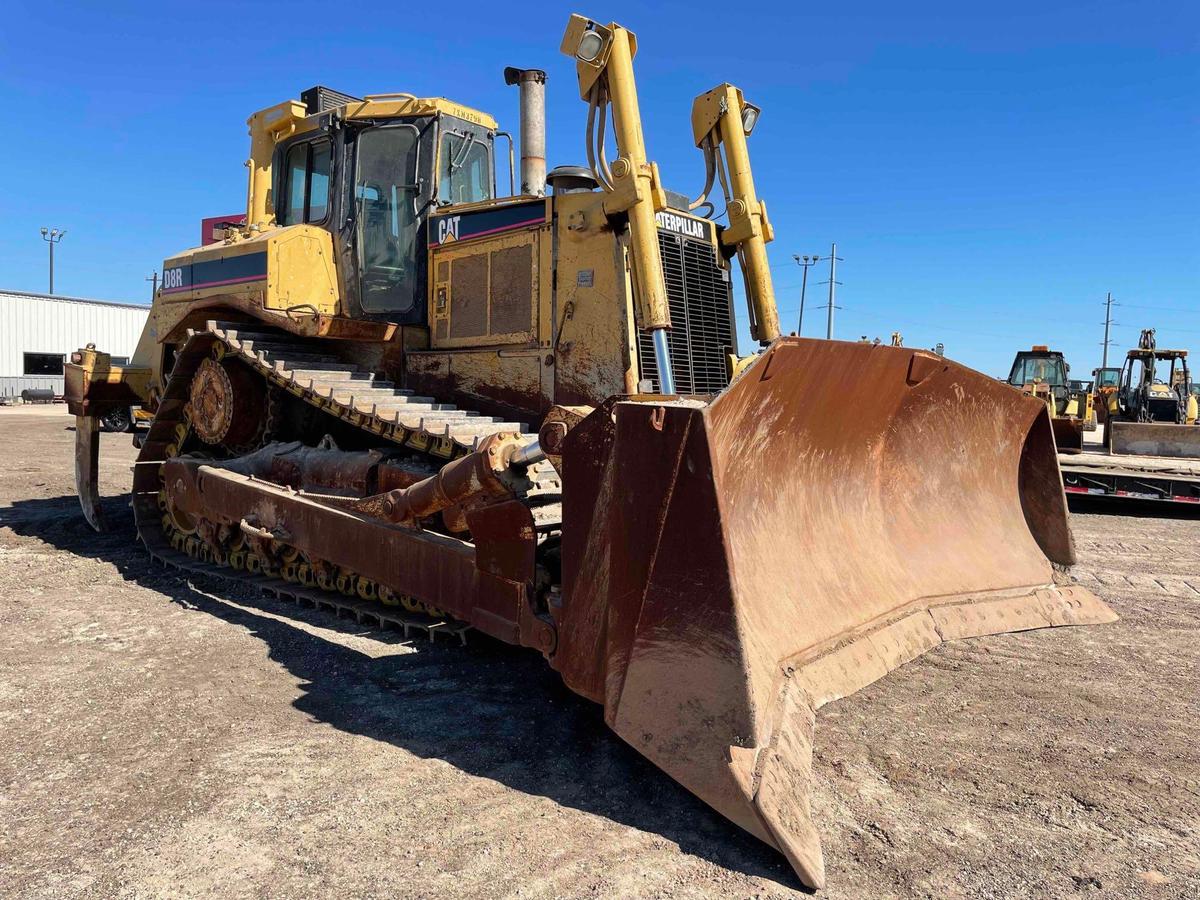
320	99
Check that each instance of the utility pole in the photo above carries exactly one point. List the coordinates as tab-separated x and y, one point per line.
1108	305
804	261
52	236
834	259
153	279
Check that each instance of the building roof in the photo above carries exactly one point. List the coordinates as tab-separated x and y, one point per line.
65	299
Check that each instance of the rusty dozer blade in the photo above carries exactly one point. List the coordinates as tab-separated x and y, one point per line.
730	567
87	466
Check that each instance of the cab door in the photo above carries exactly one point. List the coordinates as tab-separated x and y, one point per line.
388	205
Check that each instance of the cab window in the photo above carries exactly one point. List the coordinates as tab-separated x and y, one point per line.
306	189
464	169
1046	369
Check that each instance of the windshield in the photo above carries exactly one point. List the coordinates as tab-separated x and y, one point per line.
1046	369
385	194
464	170
1108	377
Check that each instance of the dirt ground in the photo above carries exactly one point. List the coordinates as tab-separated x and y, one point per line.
166	738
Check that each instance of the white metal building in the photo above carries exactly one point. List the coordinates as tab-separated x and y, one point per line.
38	332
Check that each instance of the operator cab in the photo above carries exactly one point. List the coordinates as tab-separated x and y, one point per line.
370	171
1038	366
1046	371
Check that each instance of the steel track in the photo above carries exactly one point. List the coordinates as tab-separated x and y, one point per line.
306	369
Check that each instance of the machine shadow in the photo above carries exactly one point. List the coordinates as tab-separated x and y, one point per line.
1138	509
492	710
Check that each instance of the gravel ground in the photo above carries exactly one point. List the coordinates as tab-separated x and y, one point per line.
166	738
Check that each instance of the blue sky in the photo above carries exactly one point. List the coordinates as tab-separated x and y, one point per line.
988	172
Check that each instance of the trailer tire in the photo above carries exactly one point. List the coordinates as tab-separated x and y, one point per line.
118	420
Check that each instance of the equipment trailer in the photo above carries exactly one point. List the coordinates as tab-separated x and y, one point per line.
1100	473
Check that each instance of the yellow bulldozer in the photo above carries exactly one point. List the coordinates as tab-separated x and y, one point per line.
527	415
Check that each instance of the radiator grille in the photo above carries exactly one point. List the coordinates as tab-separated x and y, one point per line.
702	331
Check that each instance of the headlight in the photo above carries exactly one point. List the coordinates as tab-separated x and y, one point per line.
749	117
590	46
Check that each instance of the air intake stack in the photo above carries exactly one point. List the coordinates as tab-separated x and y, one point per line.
532	83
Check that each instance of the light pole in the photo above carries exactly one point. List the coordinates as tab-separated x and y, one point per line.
1108	323
52	236
834	259
804	261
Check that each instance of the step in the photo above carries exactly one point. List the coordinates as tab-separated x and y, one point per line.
269	346
234	332
330	373
342	394
368	386
419	418
316	360
388	410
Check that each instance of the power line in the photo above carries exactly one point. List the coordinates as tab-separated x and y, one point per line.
1159	308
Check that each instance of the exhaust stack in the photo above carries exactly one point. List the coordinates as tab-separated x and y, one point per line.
533	127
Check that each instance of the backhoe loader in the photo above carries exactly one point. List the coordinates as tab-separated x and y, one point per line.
1154	412
1042	373
526	415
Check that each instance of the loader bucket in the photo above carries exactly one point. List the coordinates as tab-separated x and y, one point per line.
731	566
1068	434
1154	439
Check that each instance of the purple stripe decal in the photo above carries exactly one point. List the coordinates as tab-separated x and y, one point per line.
208	284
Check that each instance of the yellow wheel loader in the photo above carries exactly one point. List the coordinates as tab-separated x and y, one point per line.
1042	373
447	409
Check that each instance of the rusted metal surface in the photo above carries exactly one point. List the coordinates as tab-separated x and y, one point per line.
495	381
438	570
95	398
730	568
346	329
555	426
593	347
312	469
482	476
87	462
93	386
228	403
